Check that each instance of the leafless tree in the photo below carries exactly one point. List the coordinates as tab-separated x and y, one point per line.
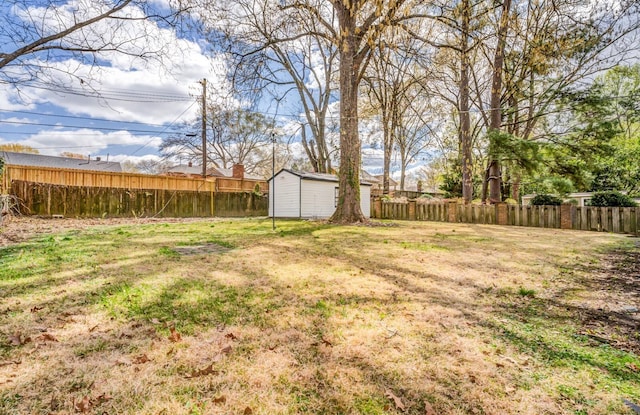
285	55
234	136
41	38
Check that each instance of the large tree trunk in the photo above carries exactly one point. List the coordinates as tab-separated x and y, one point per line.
495	123
465	116
348	209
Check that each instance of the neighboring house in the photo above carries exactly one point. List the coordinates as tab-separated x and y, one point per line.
367	177
582	198
309	195
38	160
377	185
192	171
431	191
392	183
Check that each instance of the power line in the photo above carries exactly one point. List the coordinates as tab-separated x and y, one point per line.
112	91
79	127
166	128
65	131
77	117
118	96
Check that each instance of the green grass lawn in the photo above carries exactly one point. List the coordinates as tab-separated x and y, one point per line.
230	317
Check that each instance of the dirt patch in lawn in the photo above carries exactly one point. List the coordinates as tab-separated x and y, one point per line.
415	318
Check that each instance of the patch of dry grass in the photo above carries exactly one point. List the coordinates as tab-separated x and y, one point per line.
318	319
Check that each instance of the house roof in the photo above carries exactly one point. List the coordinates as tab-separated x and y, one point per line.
212	171
380	178
185	169
368	177
323	177
38	160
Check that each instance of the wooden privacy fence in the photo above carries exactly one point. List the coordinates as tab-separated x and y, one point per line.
85	178
603	219
48	199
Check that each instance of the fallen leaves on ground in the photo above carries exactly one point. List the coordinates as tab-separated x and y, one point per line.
140	359
46	337
87	404
174	336
17	339
209	370
396	400
428	409
84	405
101	399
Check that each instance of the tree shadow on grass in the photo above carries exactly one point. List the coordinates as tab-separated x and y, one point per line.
199	304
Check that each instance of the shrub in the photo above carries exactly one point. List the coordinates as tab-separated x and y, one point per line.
510	201
546	200
614	199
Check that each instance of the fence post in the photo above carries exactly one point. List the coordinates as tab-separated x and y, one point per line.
502	215
451	214
566	216
412	210
377	208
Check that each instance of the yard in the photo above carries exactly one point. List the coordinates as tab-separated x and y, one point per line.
229	317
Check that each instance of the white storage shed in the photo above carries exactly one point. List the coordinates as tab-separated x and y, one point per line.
309	195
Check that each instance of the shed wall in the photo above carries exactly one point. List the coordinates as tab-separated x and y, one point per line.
287	195
365	200
318	199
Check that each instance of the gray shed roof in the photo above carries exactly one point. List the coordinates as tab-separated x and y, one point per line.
38	160
323	177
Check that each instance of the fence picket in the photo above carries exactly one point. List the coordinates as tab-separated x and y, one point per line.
626	220
615	220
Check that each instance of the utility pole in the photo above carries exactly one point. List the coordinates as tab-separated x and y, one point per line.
204	127
273	181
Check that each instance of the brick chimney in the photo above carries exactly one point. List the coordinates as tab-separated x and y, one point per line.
238	171
190	164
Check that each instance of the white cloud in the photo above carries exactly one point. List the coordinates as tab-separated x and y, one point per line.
134	159
16	120
86	141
